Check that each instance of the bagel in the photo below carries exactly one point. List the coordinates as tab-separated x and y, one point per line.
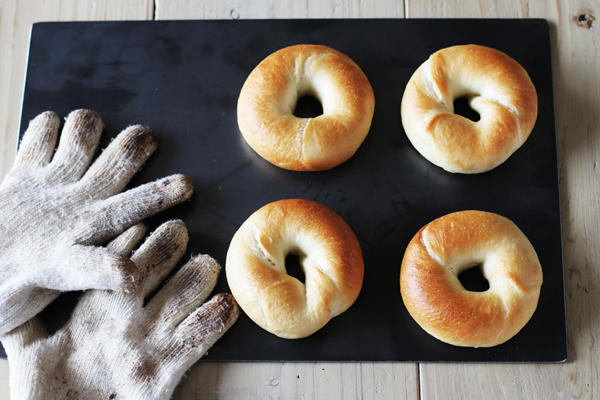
329	254
268	99
439	303
497	87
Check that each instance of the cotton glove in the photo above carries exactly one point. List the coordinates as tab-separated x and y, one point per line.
114	347
54	211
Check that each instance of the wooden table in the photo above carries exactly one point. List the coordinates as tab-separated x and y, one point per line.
576	53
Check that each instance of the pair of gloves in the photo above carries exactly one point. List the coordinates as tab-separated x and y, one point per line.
55	211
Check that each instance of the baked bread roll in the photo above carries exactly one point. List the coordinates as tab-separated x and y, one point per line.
439	303
497	87
268	99
329	254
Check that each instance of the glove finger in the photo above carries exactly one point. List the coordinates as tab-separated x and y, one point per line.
23	336
154	254
126	241
78	142
191	340
199	331
38	143
89	267
159	254
117	164
116	213
183	293
24	305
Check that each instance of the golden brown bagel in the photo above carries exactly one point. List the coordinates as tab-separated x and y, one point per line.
497	87
329	255
268	99
440	304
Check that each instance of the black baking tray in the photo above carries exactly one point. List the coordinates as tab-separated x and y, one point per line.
182	78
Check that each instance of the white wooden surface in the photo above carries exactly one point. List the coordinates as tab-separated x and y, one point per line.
576	56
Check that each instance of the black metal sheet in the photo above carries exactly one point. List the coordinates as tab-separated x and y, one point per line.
182	78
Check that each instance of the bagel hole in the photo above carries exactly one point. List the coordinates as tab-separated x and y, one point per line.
462	108
294	268
308	107
473	280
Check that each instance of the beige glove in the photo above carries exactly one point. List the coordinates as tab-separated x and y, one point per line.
55	211
114	347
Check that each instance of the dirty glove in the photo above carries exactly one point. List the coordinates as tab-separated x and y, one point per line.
114	347
55	211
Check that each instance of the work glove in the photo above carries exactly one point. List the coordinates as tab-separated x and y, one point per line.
114	347
55	211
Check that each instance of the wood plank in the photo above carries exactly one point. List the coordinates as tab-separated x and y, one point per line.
299	380
292	380
4	376
576	55
259	9
16	18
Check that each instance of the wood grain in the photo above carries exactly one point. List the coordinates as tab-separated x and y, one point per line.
4	384
575	59
299	381
260	9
